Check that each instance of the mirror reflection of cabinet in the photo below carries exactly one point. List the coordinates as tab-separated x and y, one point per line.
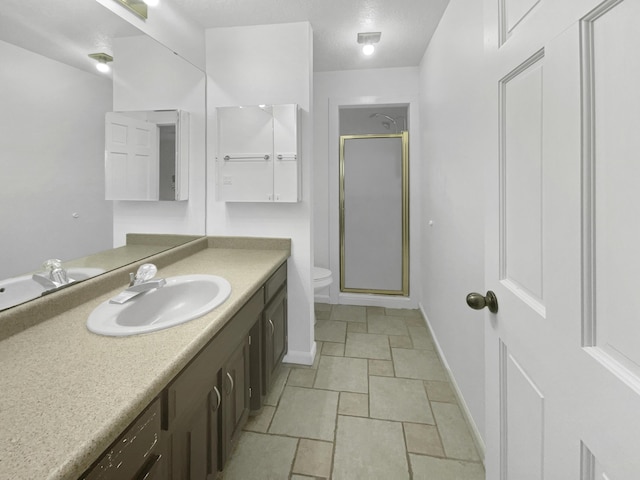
147	155
258	154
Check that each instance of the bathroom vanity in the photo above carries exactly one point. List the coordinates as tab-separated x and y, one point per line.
168	404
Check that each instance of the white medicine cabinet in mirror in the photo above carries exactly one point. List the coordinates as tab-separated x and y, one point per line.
258	156
147	155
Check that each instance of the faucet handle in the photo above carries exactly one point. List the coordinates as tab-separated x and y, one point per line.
52	264
145	273
57	274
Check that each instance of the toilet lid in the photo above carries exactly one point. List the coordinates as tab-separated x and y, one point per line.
321	273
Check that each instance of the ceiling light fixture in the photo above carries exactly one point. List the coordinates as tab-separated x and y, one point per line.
367	39
103	59
139	7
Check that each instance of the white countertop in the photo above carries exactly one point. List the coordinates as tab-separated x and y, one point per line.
66	393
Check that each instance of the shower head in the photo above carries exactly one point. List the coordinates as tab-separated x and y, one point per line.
391	119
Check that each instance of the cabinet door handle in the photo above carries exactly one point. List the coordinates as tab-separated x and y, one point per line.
215	389
148	467
273	329
230	380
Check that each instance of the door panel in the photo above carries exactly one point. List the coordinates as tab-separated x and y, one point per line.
515	11
521	187
616	170
523	415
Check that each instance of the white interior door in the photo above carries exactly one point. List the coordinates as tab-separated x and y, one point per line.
563	351
131	158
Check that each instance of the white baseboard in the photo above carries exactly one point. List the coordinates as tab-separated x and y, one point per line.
301	358
388	301
475	433
321	298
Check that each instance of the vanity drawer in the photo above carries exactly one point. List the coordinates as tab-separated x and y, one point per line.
274	283
136	453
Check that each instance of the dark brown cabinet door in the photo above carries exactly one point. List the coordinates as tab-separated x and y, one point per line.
235	402
274	327
189	445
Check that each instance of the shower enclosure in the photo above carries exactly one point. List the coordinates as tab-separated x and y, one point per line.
374	214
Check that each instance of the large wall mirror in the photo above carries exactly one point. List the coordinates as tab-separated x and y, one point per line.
52	138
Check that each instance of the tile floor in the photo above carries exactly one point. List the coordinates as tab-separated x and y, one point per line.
376	404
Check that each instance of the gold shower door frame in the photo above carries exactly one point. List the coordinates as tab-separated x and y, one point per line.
404	291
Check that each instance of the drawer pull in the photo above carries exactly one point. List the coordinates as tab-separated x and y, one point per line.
273	329
230	380
148	467
215	389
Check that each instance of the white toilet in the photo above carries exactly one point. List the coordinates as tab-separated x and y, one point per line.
321	278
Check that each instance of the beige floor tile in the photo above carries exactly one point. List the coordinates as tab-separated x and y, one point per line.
354	404
333	349
423	439
353	327
375	310
367	345
313	458
386	325
277	386
369	449
400	342
381	368
420	364
308	413
301	377
349	313
440	392
454	432
322	315
414	322
342	374
322	307
421	338
330	331
302	477
271	457
399	399
403	312
260	423
444	469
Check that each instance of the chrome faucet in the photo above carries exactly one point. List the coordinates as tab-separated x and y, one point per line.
54	275
141	282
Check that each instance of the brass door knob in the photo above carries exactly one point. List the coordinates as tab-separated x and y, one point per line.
477	301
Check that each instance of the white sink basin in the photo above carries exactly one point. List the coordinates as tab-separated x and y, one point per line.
14	291
182	299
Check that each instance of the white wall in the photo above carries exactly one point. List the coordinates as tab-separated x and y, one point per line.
269	64
148	76
52	161
360	87
456	136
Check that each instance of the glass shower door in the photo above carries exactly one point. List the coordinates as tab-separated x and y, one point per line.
374	214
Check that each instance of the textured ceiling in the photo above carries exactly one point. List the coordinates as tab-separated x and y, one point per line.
406	26
68	30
